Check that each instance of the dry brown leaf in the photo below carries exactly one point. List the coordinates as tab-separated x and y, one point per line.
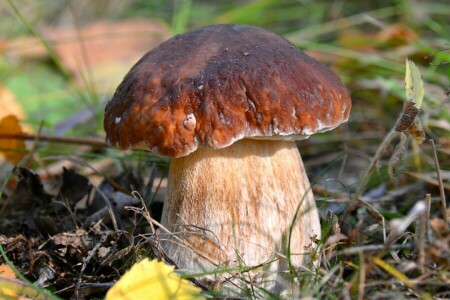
11	149
397	34
104	51
408	116
439	228
439	250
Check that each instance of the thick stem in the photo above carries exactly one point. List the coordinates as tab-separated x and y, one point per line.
234	206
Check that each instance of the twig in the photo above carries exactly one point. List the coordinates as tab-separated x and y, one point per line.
181	242
427	179
111	209
35	146
441	186
362	186
356	250
428	202
86	261
362	276
144	207
54	139
421	240
121	200
387	140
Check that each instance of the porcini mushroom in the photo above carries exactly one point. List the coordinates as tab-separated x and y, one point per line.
227	103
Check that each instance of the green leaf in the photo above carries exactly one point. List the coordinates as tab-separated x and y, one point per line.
414	84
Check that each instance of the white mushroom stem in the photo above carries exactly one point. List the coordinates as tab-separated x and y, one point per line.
234	206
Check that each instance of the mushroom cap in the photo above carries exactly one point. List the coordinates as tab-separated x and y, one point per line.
218	84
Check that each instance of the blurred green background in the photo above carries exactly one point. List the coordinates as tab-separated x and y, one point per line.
61	60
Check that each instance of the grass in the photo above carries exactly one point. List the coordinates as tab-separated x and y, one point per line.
362	256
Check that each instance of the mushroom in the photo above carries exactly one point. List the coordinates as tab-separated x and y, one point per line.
227	103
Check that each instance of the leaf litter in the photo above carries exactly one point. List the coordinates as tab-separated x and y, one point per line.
63	243
80	238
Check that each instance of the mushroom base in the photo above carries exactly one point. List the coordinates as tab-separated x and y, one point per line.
235	207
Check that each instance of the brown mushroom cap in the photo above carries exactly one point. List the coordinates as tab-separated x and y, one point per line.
218	84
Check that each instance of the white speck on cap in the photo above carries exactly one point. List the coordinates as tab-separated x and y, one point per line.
294	112
190	122
118	119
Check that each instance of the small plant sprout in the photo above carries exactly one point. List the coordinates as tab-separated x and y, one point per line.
408	123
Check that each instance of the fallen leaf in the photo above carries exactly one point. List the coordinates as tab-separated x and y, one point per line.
439	228
439	250
396	35
9	105
153	279
7	272
74	186
101	52
11	149
29	191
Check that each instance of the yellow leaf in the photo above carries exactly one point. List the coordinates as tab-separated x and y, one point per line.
11	149
413	84
7	272
9	105
153	280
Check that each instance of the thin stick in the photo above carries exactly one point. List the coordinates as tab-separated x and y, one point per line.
362	186
421	240
371	248
428	202
85	263
383	221
441	186
387	140
180	241
362	276
54	139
